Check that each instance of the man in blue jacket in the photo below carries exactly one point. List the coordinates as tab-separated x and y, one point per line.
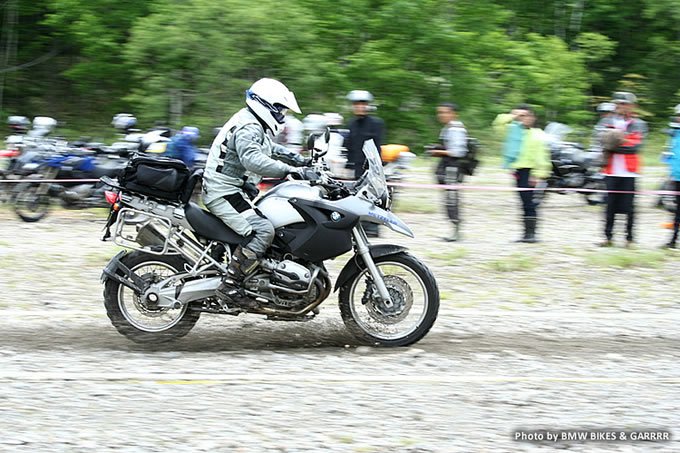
182	146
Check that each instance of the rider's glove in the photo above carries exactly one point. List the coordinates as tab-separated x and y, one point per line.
250	189
304	173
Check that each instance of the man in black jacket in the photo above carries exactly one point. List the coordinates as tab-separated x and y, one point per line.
361	128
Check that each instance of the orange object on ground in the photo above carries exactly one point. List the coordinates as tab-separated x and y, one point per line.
390	152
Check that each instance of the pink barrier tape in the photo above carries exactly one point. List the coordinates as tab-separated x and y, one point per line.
47	180
420	186
524	189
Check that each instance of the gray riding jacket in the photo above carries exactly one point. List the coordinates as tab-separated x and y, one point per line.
243	148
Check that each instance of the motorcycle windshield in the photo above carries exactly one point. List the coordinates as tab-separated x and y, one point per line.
374	184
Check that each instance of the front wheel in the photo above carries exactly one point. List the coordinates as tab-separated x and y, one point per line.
415	302
29	204
138	319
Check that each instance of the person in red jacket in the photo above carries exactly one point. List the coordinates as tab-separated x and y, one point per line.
623	165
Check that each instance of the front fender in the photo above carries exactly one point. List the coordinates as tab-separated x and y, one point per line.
356	264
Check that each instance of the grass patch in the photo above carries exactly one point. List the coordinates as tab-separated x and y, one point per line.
102	256
628	259
513	263
415	206
450	255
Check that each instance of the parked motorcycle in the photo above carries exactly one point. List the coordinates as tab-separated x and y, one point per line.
157	291
32	199
572	167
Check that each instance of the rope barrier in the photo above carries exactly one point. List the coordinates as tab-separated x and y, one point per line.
416	186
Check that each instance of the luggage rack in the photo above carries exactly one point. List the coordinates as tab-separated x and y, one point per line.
142	231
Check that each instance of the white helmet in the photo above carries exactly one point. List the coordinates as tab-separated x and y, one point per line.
359	96
269	100
677	109
606	107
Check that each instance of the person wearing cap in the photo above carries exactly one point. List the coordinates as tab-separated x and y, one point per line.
525	151
673	162
182	145
362	127
452	149
606	111
623	164
291	135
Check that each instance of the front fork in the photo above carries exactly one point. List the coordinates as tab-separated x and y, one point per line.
361	242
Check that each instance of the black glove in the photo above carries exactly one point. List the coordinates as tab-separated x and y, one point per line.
306	162
304	173
250	189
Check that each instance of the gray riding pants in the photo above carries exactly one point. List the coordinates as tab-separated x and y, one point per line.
241	216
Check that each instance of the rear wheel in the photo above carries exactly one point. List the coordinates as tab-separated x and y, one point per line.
137	318
414	308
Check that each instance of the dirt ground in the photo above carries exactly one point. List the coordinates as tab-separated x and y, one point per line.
556	335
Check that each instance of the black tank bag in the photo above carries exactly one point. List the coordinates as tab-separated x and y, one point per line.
158	177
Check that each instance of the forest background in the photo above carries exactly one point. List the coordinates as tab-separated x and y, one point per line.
189	62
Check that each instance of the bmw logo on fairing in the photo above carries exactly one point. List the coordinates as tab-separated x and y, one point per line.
335	216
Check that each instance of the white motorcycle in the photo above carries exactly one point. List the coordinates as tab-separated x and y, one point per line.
157	291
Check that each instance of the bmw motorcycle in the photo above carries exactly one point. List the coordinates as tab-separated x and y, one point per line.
32	200
156	289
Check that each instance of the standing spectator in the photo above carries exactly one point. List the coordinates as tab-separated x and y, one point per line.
361	128
674	162
452	149
606	111
291	136
622	164
182	146
526	152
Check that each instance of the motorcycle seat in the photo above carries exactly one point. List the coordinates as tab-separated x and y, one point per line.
100	171
210	226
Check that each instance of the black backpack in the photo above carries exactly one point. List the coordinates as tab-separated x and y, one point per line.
470	159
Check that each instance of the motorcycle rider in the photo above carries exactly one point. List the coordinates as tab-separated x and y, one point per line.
452	149
361	128
526	152
673	162
622	164
182	145
241	154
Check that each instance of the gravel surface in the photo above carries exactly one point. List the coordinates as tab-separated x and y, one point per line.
557	335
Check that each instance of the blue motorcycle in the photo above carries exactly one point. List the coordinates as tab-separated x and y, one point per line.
32	199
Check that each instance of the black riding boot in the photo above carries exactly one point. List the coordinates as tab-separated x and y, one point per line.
529	230
242	263
455	235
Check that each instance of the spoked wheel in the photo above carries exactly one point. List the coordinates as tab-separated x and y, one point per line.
138	319
29	204
413	309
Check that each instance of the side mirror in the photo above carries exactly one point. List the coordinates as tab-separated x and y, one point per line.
327	135
311	140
